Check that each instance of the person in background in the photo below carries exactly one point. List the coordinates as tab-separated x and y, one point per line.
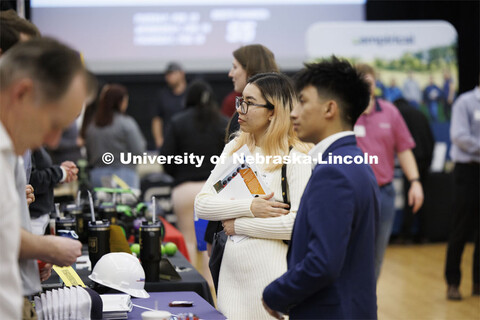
115	132
199	130
432	95
250	264
247	61
68	148
393	92
411	91
380	88
331	272
15	29
422	134
448	94
465	151
228	103
169	102
36	104
381	131
43	178
88	115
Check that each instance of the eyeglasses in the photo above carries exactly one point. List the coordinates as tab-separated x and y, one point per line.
242	105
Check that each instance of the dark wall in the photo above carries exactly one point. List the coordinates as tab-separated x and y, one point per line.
8	4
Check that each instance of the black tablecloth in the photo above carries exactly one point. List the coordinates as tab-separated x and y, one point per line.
191	280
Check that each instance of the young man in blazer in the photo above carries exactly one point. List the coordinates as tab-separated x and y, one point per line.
331	256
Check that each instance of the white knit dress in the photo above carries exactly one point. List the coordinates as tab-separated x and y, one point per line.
250	265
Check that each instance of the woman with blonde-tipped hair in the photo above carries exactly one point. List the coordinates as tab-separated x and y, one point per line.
250	264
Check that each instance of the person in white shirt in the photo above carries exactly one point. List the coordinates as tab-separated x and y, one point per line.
465	151
36	103
250	264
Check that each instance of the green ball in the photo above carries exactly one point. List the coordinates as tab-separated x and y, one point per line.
135	248
170	248
162	249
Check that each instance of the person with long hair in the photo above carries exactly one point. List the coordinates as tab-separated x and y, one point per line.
115	132
250	264
247	62
198	130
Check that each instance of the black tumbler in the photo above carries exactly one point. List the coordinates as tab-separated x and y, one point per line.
108	211
77	213
98	240
65	223
150	250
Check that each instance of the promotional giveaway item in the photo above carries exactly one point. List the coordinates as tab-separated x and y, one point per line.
150	247
120	271
69	304
98	236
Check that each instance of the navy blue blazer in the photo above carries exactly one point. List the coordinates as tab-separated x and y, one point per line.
331	256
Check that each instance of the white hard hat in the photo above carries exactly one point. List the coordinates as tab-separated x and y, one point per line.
121	271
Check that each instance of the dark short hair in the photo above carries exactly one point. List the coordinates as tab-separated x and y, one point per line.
50	64
11	25
173	66
337	79
8	36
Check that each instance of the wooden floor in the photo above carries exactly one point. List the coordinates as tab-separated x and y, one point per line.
412	286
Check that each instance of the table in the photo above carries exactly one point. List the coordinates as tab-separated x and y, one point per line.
191	280
200	307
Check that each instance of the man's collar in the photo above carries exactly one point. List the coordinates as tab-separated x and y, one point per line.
5	140
322	146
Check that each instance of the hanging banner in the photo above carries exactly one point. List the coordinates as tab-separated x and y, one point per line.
415	60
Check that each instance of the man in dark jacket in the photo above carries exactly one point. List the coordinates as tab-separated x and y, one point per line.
44	177
331	272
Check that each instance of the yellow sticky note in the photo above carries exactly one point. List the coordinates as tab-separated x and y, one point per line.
68	276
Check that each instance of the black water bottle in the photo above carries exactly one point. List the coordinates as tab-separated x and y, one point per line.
65	223
77	213
150	250
98	240
108	211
